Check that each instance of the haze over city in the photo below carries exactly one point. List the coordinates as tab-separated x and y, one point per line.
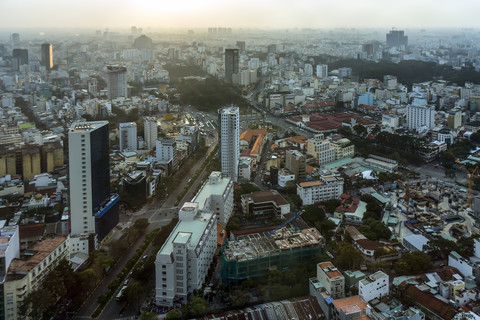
240	14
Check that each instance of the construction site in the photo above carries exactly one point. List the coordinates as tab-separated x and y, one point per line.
254	255
435	208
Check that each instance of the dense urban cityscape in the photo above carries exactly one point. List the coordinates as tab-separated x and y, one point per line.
234	173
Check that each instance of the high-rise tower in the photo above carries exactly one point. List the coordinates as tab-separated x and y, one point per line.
116	82
229	120
93	209
151	132
47	55
127	136
232	60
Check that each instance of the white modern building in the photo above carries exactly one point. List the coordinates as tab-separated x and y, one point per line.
229	119
216	196
117	82
331	279
326	188
322	70
374	286
284	175
127	134
183	261
27	274
93	209
167	151
150	132
420	118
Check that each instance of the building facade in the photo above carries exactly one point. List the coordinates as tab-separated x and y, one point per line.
232	60
295	162
117	82
127	136
167	151
229	119
151	132
216	196
420	117
326	188
93	209
47	55
374	286
184	259
331	279
28	272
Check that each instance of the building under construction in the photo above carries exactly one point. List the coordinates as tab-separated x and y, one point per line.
254	255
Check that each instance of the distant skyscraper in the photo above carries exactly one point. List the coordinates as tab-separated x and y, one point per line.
232	60
15	39
143	42
47	57
127	136
322	70
229	120
19	58
93	209
151	132
308	69
241	46
116	82
397	38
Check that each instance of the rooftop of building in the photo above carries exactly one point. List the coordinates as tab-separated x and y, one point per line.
258	245
86	126
215	186
308	184
195	229
249	134
374	277
351	305
264	196
37	253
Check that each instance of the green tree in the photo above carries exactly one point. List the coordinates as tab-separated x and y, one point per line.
360	130
174	315
134	293
312	214
348	257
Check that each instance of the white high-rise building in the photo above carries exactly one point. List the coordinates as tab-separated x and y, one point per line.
93	209
127	136
151	132
116	82
322	70
167	151
183	261
420	118
308	70
229	119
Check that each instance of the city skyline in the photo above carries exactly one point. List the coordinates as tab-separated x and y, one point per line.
245	14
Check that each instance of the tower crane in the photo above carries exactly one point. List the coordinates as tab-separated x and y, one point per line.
296	214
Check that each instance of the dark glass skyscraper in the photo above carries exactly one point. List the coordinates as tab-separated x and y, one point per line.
93	209
47	55
232	60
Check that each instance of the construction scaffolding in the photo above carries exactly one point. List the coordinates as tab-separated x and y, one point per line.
254	255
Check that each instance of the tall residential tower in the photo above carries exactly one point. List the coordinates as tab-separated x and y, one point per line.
93	209
116	82
229	120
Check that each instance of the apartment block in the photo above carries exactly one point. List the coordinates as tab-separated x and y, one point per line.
331	279
326	188
182	263
374	286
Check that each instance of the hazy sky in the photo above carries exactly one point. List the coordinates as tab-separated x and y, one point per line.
239	14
